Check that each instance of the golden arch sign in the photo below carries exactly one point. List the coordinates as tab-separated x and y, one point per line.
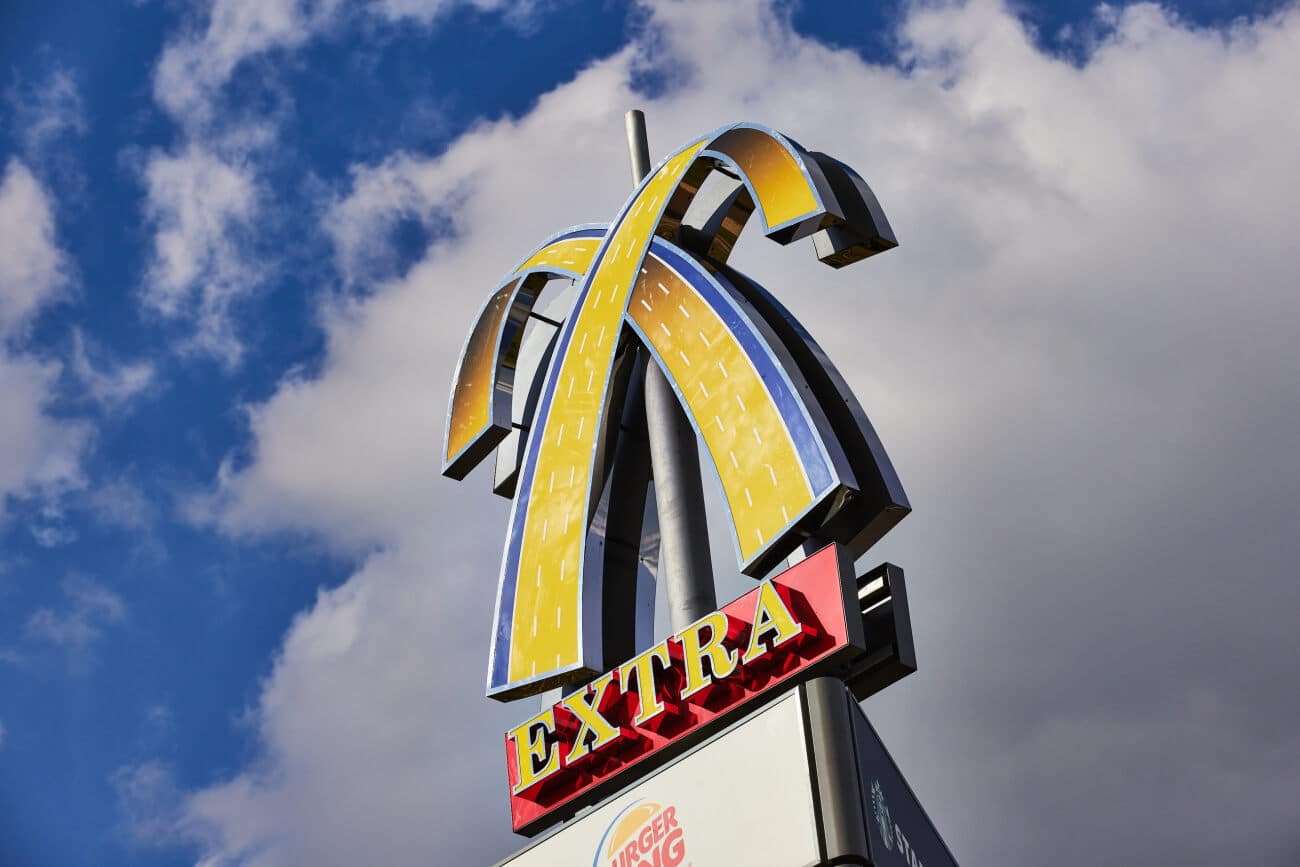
791	448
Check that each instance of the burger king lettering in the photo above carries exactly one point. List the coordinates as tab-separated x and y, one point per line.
643	835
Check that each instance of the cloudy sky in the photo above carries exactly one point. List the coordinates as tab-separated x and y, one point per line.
243	621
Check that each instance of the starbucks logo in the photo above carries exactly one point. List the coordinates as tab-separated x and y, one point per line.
881	811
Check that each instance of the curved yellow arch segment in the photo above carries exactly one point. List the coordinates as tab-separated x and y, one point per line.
755	456
471	414
547	635
479	412
573	255
778	176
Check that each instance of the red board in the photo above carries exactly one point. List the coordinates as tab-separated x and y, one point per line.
810	624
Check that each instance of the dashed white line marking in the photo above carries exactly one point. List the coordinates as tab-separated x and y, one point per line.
705	339
758	438
748	498
646	305
771	472
718	421
558	612
759	534
572	470
534	624
684	358
741	402
665	328
559	437
617	246
569	392
600	340
685	312
663	289
703	389
590	374
734	463
583	420
545	524
539	575
551	487
583	347
580	249
723	368
566	529
785	514
567	262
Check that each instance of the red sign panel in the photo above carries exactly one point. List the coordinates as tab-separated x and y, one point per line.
795	624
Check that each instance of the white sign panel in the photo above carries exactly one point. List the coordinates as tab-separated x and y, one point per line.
744	797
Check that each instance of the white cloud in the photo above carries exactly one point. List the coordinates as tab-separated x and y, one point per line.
112	386
427	11
47	110
39	454
201	206
33	270
193	69
74	629
147	798
1080	358
119	502
360	224
203	197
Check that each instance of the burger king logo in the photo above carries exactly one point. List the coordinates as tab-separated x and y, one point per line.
644	834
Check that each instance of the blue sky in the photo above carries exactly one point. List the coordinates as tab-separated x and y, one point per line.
239	243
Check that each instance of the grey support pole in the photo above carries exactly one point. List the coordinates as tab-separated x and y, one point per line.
638	145
684	562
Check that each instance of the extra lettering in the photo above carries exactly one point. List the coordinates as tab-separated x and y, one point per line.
595	731
535	756
538	746
722	662
771	617
647	683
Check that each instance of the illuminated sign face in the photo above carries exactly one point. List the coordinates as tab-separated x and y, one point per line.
803	621
791	448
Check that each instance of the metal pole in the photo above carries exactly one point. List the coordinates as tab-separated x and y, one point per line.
684	561
638	145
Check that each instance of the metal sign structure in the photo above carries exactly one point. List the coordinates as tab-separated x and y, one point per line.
592	370
792	450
